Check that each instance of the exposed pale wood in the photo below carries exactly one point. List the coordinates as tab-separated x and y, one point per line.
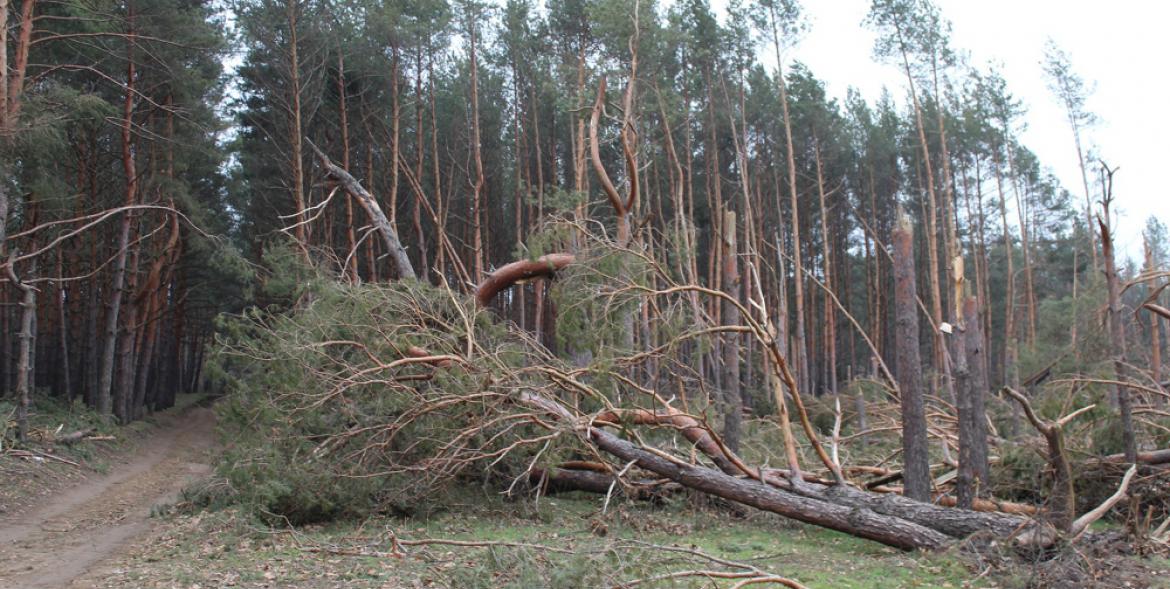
1082	523
370	204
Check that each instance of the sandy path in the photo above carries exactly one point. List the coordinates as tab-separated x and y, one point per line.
75	529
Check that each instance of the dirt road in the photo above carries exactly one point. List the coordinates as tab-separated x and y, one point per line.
55	544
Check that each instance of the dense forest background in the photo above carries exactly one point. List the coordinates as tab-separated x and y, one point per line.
140	199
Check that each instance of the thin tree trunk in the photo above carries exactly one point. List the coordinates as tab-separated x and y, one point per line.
1026	247
420	237
1010	376
3	105
395	140
28	310
830	314
129	168
973	466
296	135
477	155
1155	324
733	402
377	217
128	347
351	255
798	265
1116	328
62	296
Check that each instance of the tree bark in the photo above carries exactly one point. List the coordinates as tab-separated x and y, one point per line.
733	402
351	266
130	171
377	217
1155	322
296	134
1116	328
1062	502
28	311
476	146
973	452
860	522
523	270
914	439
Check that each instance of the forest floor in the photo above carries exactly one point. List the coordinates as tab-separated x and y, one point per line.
62	523
561	542
117	528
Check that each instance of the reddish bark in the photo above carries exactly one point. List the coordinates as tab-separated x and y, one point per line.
507	276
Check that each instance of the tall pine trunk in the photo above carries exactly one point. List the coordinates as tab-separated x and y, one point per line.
110	337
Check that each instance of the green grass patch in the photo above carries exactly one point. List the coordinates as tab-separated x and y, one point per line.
629	542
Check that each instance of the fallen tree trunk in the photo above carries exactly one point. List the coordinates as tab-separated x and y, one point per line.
861	522
1152	457
550	481
75	437
688	426
954	522
559	480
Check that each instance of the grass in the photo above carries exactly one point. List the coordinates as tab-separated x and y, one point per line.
227	548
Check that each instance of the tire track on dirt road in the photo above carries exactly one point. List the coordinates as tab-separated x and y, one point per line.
76	529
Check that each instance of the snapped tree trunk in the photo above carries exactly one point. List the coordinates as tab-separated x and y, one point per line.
973	467
377	217
914	440
1116	327
733	402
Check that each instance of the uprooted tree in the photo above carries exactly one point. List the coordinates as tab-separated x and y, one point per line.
406	389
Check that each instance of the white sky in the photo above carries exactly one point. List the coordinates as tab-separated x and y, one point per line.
1120	49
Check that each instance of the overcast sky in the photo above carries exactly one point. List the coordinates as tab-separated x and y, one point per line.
1120	49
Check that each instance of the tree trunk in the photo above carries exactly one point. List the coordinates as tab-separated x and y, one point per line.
830	314
296	135
733	402
351	256
420	145
130	171
863	523
377	217
28	310
914	440
476	146
3	105
1155	323
1116	327
973	465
